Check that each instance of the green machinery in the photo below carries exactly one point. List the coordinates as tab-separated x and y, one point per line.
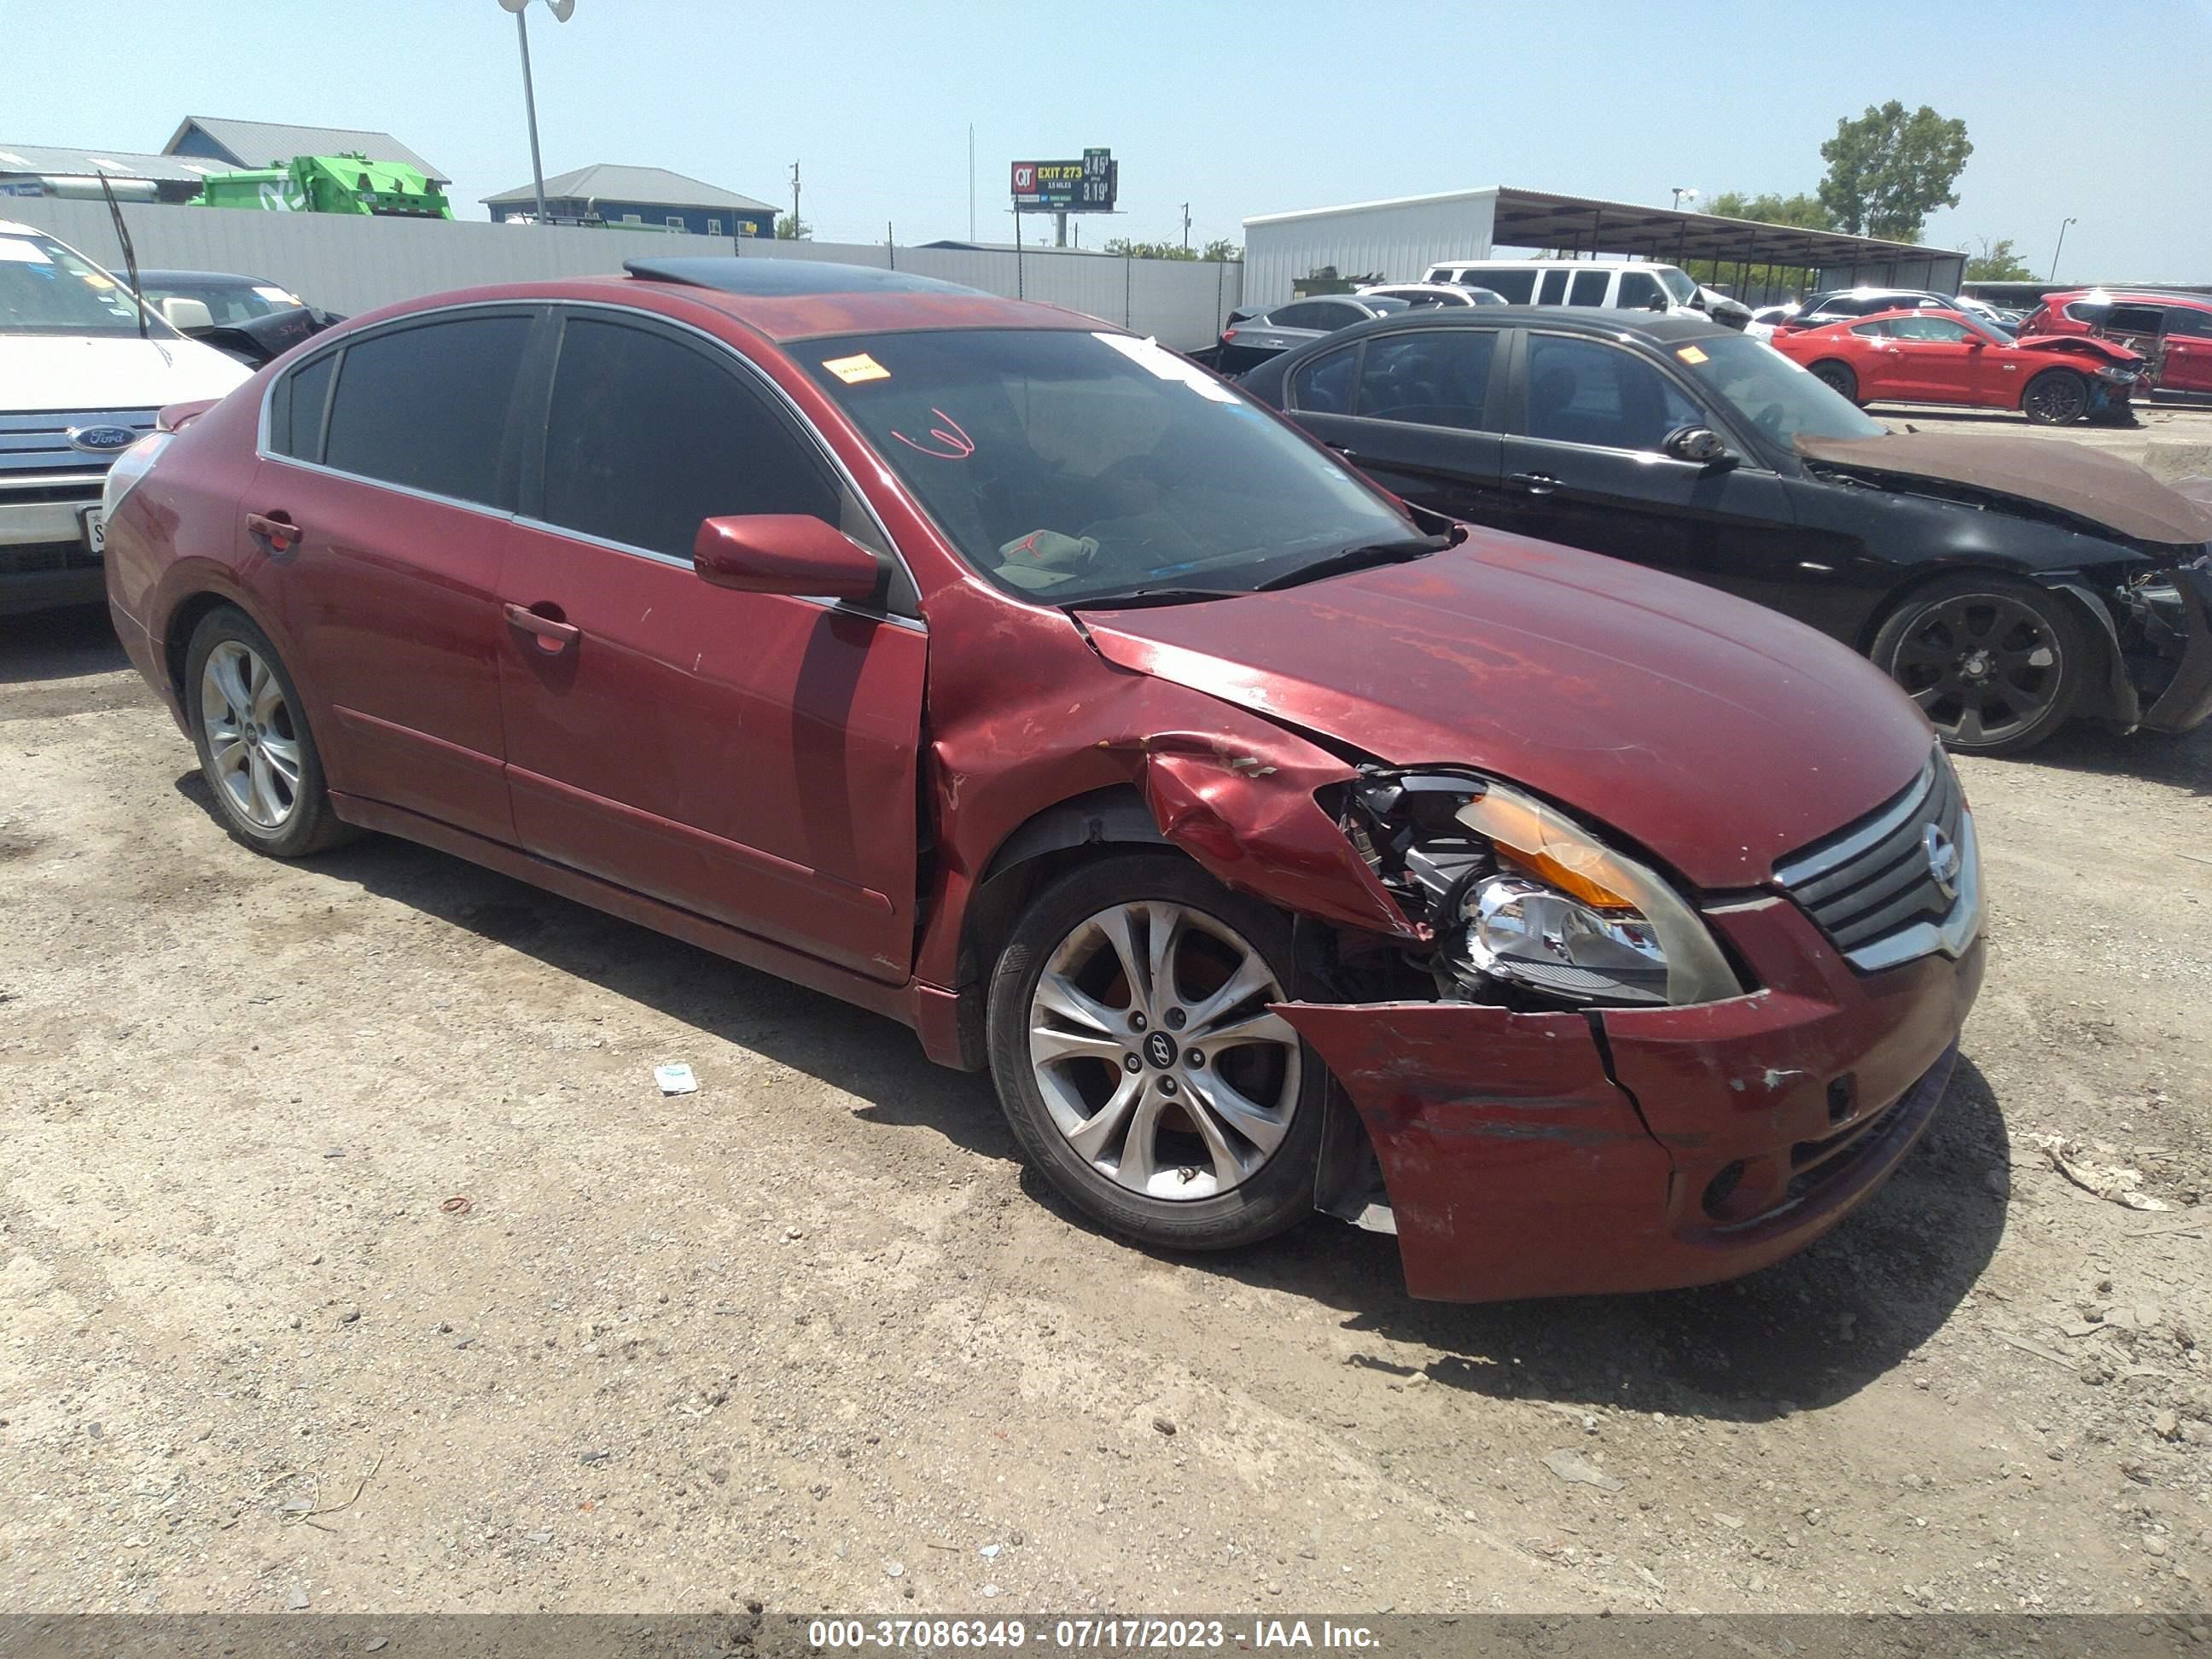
328	183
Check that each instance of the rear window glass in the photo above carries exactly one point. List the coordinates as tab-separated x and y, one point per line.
1515	287
1588	287
300	434
1325	386
1438	377
426	407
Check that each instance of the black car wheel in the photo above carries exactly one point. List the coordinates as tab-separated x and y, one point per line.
2057	397
1138	1064
1997	666
1838	377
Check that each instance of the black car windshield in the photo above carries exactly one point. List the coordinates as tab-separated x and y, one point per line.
1066	465
44	288
1771	394
227	303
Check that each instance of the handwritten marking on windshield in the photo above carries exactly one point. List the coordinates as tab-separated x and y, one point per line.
949	442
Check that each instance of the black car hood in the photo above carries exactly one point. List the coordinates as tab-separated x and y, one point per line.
2047	476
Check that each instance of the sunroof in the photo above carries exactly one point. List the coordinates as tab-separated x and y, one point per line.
775	277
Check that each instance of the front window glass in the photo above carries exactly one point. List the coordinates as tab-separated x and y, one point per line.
1584	391
1069	465
1678	283
1770	393
44	288
1940	330
1639	288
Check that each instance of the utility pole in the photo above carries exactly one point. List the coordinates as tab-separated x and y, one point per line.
1186	227
2060	249
794	201
561	10
971	181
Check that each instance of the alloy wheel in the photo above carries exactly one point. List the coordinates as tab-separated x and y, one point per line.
252	736
1153	1049
2058	400
1984	667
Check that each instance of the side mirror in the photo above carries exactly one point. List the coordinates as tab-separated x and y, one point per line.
185	315
1701	445
784	553
1657	302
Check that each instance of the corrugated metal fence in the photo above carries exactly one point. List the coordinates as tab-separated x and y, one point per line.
354	264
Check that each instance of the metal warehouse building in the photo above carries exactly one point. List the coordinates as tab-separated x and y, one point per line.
1398	239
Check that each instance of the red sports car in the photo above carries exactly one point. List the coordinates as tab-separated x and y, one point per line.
2174	331
1948	357
1275	846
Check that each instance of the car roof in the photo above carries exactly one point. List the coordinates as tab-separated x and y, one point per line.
205	276
793	299
1654	328
2134	296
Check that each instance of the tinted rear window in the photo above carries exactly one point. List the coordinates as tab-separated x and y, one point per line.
301	409
427	406
1516	287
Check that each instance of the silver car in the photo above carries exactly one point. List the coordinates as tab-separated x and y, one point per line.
1418	294
1248	342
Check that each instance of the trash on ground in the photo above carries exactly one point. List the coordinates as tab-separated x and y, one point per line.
674	1080
1570	1466
2107	1180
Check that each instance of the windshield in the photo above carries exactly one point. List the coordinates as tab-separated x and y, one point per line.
45	288
1770	393
227	303
1677	282
1067	466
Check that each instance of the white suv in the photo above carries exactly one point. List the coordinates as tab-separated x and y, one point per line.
82	376
1625	284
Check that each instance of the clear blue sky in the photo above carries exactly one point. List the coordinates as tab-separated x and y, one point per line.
2103	112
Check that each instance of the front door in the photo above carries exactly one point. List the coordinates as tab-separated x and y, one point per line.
1587	466
1414	412
750	756
1936	360
392	460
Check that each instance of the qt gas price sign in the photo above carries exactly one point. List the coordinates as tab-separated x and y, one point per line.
1085	186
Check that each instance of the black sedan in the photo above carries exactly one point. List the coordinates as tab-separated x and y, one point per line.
251	317
1251	340
2006	582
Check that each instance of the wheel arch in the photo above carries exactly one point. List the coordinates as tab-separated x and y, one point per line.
1093	825
2107	692
183	622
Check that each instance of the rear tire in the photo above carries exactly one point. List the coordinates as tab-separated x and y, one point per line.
1995	665
1164	1102
2057	397
1838	377
250	727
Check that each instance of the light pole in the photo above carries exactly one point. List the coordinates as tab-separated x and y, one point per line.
561	10
2061	248
1681	190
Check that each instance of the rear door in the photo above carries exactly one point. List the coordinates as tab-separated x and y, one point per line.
1583	465
1419	412
2188	366
750	756
393	456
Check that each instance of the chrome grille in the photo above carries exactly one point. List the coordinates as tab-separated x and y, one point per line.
32	445
1873	886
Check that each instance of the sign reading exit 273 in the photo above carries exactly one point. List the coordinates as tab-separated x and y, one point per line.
1085	186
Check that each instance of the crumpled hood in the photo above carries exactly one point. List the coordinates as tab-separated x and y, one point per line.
1716	733
2083	482
65	371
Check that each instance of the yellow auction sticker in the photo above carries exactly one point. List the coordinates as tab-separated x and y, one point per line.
1690	355
853	370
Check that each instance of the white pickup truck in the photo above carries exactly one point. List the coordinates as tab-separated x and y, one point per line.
82	376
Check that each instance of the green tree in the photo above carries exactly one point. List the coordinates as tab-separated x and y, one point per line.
1127	249
790	229
1887	171
1997	262
1222	251
1801	211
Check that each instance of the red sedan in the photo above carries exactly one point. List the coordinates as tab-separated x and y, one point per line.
1007	675
2173	331
1948	357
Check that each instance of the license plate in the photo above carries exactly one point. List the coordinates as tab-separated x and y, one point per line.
95	533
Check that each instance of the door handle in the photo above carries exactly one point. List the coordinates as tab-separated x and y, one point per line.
1345	449
553	634
1532	483
275	528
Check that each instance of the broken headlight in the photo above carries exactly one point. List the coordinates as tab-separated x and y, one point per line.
1520	896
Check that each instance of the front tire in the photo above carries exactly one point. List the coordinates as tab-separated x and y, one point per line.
1838	377
2057	397
1995	665
250	727
1137	1063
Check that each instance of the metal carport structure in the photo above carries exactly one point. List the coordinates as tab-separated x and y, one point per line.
1400	238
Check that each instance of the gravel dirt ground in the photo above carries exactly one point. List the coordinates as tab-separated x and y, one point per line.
350	1259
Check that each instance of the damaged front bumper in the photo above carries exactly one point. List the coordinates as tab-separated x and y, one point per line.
2182	614
1618	1150
2158	632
